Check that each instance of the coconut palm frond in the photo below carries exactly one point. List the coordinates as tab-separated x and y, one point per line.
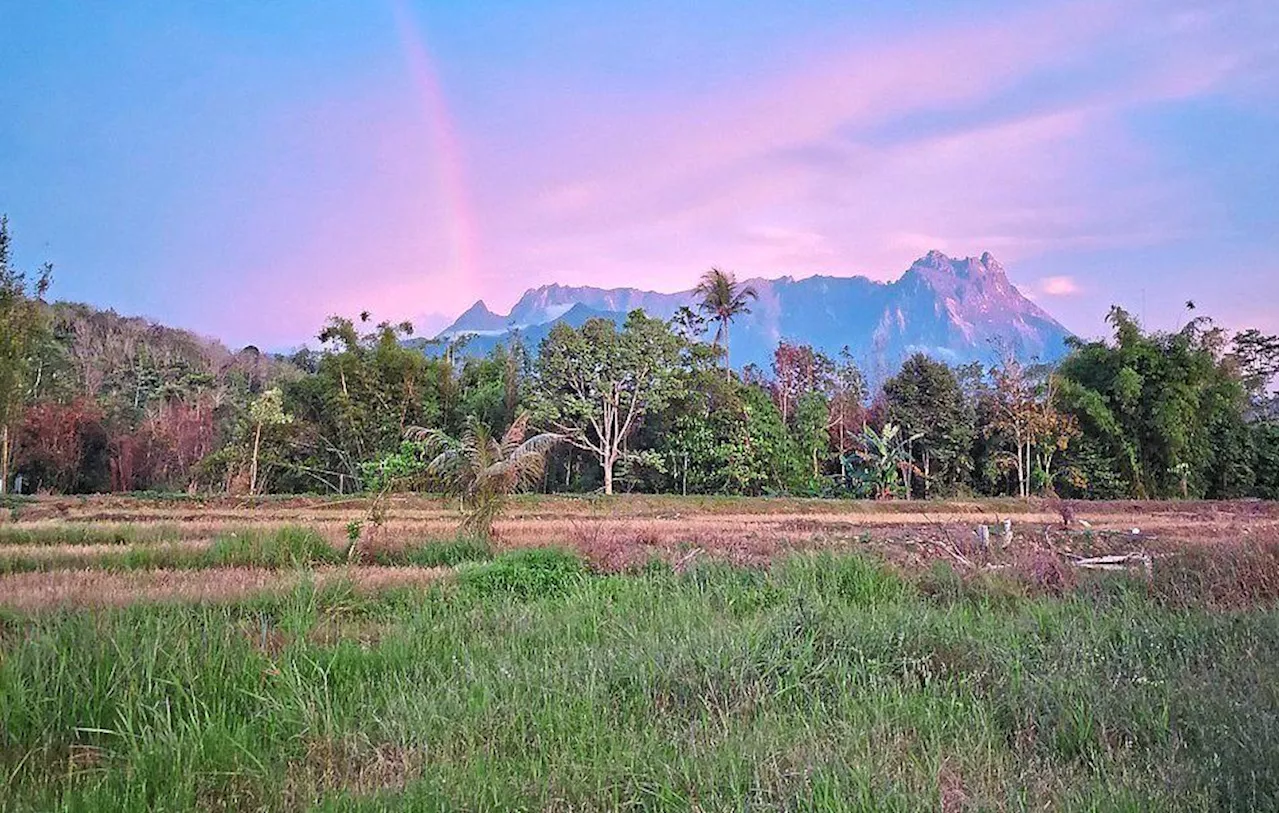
483	470
515	434
433	441
525	462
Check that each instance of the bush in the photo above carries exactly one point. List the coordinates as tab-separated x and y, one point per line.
526	574
449	552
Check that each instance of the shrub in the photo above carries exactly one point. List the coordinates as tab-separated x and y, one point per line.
527	573
449	552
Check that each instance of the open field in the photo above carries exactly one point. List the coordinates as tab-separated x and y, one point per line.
641	653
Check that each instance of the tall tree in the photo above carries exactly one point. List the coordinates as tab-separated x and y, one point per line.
1026	414
1169	409
723	299
597	383
847	413
22	328
688	324
266	411
925	399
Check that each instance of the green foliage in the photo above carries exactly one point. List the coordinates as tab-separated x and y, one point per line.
525	573
1266	466
1170	413
887	454
925	399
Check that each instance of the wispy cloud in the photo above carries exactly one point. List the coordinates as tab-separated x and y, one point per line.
1013	134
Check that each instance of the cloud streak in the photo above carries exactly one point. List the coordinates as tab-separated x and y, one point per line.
1034	134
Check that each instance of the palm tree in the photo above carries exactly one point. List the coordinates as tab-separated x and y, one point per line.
482	470
723	299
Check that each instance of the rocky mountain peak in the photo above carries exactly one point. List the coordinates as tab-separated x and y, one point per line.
948	307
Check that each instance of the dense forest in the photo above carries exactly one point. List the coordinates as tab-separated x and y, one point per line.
91	401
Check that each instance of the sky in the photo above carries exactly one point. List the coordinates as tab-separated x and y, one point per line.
246	168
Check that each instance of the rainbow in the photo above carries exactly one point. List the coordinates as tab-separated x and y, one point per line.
460	218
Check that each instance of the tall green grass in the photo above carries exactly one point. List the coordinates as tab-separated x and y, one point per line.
282	547
290	546
825	683
80	533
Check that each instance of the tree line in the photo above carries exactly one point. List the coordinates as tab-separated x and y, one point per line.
92	401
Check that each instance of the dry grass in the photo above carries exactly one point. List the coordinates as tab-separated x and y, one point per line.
351	765
96	588
1220	553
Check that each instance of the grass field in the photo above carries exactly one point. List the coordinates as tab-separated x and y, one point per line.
647	654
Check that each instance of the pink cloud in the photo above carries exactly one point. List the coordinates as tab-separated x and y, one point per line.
1058	286
770	177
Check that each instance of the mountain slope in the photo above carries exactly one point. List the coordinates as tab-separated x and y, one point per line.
957	310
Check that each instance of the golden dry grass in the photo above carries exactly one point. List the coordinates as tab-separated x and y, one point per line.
612	534
97	588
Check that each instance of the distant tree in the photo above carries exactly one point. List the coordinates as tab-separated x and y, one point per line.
1027	415
1256	358
723	299
596	384
847	412
23	327
368	388
63	446
267	410
926	400
798	370
688	324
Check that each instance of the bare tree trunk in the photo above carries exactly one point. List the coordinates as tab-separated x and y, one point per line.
608	474
911	462
728	368
684	477
4	459
253	464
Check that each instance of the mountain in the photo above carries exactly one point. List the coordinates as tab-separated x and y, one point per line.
477	319
540	306
954	309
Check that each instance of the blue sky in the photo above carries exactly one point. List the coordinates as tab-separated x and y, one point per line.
246	169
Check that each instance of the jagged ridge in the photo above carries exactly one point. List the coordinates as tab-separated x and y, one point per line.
955	309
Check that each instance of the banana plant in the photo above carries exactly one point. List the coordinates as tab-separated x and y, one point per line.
888	457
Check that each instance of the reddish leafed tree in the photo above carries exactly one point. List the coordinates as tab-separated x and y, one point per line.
128	462
183	432
163	451
60	445
797	370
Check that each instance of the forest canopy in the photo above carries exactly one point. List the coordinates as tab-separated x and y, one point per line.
92	401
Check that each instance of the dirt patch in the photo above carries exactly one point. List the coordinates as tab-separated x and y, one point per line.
350	765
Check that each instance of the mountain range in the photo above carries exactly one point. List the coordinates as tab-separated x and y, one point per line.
957	310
